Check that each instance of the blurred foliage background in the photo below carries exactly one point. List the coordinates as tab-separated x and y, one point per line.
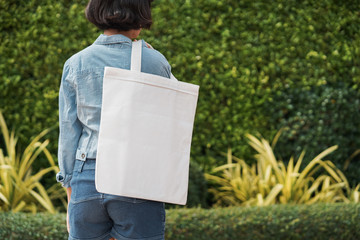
261	66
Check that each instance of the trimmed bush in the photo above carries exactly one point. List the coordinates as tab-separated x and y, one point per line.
32	226
278	222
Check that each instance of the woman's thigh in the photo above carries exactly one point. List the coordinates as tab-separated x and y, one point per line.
88	218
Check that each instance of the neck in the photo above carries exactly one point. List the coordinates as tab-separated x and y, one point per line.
132	34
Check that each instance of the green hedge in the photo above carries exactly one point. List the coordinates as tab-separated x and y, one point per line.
36	38
243	54
318	118
279	222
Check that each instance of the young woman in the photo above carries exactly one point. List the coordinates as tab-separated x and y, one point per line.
93	215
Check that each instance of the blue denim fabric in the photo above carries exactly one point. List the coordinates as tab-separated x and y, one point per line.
97	216
80	95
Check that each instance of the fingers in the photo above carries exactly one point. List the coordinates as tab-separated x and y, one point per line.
149	46
67	222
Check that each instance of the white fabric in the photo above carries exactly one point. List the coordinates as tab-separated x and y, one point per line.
145	134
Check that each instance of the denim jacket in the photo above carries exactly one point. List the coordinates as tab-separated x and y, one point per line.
80	96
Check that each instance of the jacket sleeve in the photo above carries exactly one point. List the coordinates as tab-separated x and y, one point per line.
70	128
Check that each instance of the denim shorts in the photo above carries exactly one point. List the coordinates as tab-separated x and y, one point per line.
98	216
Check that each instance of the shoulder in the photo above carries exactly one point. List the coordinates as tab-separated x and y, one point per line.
154	62
75	62
92	57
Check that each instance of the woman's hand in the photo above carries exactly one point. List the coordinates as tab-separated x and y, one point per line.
68	192
148	46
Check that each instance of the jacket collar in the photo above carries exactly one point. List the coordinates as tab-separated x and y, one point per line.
113	39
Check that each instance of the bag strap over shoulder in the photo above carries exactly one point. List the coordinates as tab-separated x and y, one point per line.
136	52
136	56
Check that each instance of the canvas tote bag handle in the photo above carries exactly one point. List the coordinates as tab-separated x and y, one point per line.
136	56
136	52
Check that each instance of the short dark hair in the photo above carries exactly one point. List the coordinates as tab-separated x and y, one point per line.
123	15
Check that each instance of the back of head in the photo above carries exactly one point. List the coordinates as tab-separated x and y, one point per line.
123	15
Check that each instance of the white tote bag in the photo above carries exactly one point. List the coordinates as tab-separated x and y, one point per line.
145	134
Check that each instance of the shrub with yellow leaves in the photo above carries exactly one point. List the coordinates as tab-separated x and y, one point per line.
270	181
20	189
